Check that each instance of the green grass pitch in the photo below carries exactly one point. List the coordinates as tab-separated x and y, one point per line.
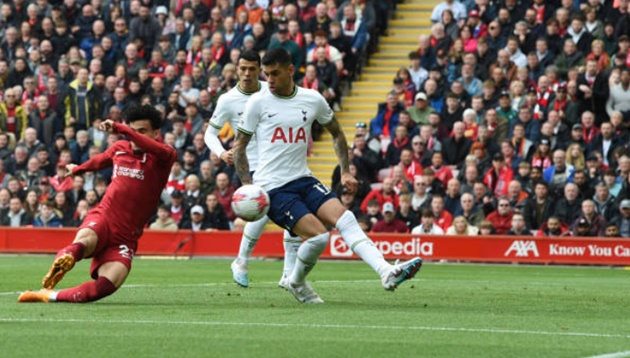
190	308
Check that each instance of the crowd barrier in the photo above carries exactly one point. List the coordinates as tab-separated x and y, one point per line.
522	249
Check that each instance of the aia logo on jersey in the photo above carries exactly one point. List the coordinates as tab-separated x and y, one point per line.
290	136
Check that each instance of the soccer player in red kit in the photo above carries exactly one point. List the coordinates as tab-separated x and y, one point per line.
110	232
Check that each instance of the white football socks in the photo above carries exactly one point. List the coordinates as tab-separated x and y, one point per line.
291	246
362	245
251	234
307	256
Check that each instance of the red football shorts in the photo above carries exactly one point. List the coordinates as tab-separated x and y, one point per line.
112	246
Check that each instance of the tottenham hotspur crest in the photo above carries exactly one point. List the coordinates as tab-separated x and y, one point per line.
304	115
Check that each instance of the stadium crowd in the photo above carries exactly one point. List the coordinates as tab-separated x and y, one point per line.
66	65
511	118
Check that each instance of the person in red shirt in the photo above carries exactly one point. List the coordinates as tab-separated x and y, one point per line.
442	172
110	232
389	222
442	218
502	217
157	66
499	176
385	194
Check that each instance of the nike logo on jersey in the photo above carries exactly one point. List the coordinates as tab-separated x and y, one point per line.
239	114
272	115
120	152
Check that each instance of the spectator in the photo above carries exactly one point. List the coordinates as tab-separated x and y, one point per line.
589	222
350	202
486	228
519	228
197	220
13	116
612	230
163	221
560	172
177	209
452	199
499	176
501	218
428	226
516	195
457	147
16	216
147	28
385	194
553	227
399	143
224	193
420	198
568	207
47	217
461	227
442	218
622	220
540	208
604	202
82	102
389	223
473	214
421	110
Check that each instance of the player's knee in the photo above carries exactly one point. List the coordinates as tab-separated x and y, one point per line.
321	240
89	239
345	219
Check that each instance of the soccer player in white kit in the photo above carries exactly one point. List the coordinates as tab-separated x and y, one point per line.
230	107
280	118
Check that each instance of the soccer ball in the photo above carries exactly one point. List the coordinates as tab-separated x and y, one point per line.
250	202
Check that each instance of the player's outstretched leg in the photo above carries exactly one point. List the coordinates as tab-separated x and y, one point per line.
251	234
307	256
291	246
86	292
391	275
64	262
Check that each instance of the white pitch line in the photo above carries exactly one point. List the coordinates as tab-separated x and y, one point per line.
327	326
624	354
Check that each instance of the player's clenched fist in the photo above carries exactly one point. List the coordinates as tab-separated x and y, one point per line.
349	182
107	126
69	168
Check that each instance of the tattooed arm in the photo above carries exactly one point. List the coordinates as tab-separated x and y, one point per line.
240	156
341	149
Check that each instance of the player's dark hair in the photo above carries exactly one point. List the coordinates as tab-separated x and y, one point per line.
277	56
143	113
250	55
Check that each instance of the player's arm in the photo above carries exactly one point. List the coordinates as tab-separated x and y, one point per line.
341	149
149	145
96	163
240	155
211	137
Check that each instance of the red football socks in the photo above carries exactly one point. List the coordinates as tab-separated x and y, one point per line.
87	291
75	249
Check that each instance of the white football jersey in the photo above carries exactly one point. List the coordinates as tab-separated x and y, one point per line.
283	128
230	107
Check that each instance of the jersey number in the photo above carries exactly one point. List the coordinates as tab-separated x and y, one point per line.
125	251
322	188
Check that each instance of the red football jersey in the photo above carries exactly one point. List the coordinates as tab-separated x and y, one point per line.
137	181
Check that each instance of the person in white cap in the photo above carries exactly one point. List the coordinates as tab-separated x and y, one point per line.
421	110
197	220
